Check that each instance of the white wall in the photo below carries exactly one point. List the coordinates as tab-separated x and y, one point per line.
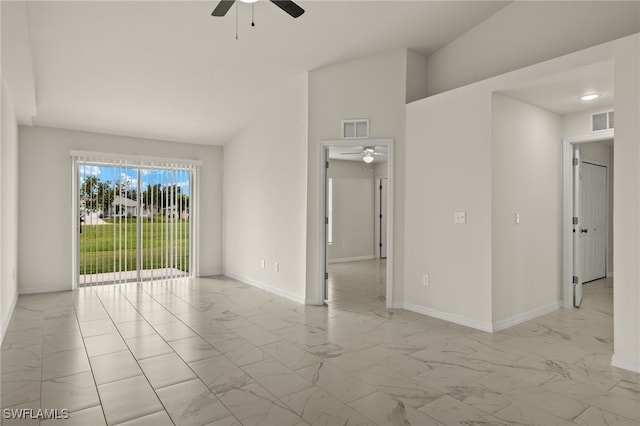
353	210
17	63
452	154
416	76
448	169
526	33
45	199
579	124
8	209
373	88
527	180
265	188
603	154
380	169
626	230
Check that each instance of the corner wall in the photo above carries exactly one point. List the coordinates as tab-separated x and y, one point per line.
526	180
448	169
9	217
626	230
455	162
265	179
45	199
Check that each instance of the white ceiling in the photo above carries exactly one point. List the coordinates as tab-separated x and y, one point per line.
560	93
168	70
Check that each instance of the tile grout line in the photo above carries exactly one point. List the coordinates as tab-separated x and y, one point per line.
135	359
228	359
84	345
167	342
141	286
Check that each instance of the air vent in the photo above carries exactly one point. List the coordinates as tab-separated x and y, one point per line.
602	121
355	129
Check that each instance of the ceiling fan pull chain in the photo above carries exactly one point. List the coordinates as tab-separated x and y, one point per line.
253	8
236	20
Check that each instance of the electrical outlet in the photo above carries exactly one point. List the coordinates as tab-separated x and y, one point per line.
516	218
426	281
276	267
262	263
460	217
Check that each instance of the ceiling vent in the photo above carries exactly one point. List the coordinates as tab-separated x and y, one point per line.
355	129
602	121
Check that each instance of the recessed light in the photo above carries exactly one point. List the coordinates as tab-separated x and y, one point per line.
589	97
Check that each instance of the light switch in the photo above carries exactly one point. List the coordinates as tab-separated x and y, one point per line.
460	217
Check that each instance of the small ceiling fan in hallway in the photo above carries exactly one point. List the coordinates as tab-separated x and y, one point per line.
367	153
287	5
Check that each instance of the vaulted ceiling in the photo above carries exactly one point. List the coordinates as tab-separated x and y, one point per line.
168	70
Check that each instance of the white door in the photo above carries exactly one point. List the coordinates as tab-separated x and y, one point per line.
593	199
577	231
381	217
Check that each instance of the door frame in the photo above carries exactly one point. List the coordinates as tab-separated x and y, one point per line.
322	202
136	161
377	251
567	208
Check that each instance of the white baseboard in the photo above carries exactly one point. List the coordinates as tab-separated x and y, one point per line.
34	290
267	287
480	325
213	273
526	316
7	318
457	319
352	259
626	364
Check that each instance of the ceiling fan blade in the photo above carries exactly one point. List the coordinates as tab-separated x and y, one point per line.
222	8
351	153
290	7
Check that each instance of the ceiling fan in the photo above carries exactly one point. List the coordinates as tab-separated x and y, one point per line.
368	153
287	5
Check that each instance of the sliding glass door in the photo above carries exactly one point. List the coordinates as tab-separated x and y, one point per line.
135	220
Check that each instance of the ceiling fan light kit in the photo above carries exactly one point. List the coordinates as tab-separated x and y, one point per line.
368	153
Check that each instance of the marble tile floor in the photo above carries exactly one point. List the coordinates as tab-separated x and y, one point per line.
213	351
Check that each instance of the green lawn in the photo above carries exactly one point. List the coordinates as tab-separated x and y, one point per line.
112	247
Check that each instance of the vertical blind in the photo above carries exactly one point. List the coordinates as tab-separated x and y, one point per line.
135	219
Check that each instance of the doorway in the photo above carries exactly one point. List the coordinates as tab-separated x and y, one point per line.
327	226
587	207
134	220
